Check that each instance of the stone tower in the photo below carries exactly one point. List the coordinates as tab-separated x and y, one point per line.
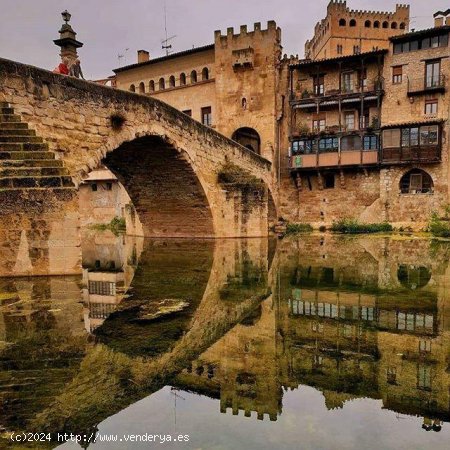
67	39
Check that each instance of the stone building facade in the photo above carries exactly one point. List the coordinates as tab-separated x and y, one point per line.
328	122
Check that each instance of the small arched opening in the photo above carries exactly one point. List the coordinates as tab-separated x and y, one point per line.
413	277
249	138
151	86
141	88
376	24
205	74
162	84
342	23
352	23
385	24
194	76
402	26
132	88
367	23
416	181
394	25
182	79
172	81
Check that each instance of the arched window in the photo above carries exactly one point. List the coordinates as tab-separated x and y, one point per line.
193	76
162	84
133	88
402	26
205	74
172	81
249	138
416	181
376	24
151	86
352	23
342	22
385	24
367	23
141	87
394	25
182	79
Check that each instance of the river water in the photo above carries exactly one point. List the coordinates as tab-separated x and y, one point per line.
311	342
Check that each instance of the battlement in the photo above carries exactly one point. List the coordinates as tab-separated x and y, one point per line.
271	30
248	413
340	6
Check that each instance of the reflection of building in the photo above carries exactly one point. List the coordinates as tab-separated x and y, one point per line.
109	262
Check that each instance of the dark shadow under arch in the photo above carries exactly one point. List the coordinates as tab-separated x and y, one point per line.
249	138
167	195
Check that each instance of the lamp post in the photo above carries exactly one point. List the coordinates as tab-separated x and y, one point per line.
67	39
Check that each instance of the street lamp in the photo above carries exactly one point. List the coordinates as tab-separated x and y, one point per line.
66	16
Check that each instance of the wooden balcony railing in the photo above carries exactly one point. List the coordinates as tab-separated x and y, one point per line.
343	158
416	154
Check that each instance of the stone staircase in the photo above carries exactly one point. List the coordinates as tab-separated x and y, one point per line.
25	160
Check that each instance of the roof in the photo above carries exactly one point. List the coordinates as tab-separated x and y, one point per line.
314	62
166	58
100	175
420	33
412	123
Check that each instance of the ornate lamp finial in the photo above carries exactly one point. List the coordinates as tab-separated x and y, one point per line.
66	16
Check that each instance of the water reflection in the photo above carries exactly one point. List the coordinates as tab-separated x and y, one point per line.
249	325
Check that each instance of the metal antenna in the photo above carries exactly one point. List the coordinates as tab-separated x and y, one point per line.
121	55
165	42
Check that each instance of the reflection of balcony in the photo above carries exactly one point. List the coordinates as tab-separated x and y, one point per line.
405	155
331	97
426	85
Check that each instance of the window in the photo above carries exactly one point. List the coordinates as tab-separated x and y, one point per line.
207	116
141	87
402	26
397	74
328	144
132	88
109	186
352	23
318	83
391	138
318	125
370	142
172	81
351	143
349	120
356	50
339	49
424	377
193	76
394	25
94	187
431	106
182	79
151	86
102	288
347	82
162	84
342	22
188	112
416	181
317	361
367	24
410	137
317	327
364	121
385	24
429	135
432	74
376	24
205	74
424	346
303	147
328	181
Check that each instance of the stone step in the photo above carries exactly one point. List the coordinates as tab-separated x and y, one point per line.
33	171
17	138
9	118
13	126
27	163
16	132
35	182
19	147
6	110
27	155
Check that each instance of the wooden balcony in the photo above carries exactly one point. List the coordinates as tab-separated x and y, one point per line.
407	155
328	160
426	85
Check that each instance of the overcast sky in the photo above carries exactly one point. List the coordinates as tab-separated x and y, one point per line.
109	27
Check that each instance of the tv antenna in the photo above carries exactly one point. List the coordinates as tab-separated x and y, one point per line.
165	42
120	56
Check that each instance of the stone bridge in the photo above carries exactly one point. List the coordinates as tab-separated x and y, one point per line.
55	129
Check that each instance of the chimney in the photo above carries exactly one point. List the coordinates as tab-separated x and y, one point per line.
438	22
143	56
447	21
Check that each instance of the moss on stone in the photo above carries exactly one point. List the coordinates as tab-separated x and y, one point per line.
232	175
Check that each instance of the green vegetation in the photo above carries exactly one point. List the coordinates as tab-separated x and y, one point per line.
117	226
296	228
440	226
352	226
230	174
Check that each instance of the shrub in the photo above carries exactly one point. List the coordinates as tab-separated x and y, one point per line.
117	121
351	226
295	228
439	227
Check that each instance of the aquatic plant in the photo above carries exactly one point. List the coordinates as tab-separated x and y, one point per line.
352	226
